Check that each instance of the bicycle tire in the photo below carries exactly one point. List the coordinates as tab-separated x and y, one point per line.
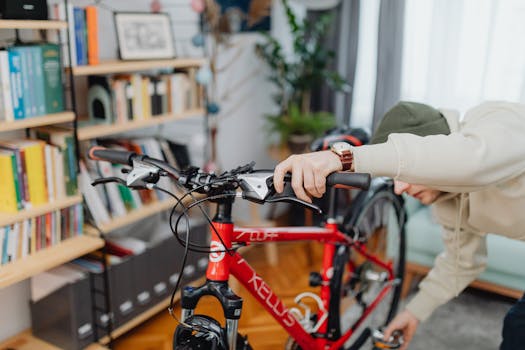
377	219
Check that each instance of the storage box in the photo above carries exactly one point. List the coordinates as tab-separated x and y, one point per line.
64	317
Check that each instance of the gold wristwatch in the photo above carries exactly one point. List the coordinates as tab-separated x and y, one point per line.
344	151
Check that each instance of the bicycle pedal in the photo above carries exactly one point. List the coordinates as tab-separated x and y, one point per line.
394	342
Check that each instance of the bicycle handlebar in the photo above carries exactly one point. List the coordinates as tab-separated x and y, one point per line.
245	177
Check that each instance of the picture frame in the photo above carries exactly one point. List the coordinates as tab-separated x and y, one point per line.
144	35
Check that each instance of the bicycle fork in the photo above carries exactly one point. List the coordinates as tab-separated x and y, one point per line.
231	305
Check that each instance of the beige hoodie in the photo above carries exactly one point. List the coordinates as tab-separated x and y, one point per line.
482	166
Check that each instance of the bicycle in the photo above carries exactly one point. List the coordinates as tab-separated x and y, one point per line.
363	256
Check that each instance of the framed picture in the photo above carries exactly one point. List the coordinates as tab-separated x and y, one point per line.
144	36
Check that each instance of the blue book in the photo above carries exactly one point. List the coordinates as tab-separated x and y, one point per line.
28	92
15	73
38	78
80	35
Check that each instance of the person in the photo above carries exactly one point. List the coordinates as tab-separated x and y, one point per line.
472	171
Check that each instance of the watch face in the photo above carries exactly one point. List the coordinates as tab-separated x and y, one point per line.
339	147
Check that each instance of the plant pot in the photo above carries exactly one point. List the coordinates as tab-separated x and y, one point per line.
299	143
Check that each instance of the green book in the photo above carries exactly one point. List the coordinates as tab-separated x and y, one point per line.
52	74
127	197
19	204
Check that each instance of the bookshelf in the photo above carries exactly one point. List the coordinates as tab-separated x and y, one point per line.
48	258
10	218
111	67
100	130
33	122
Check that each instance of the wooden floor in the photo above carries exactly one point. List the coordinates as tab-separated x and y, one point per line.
288	279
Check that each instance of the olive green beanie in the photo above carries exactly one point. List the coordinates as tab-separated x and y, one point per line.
412	118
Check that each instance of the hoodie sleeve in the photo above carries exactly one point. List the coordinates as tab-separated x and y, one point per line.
462	261
488	149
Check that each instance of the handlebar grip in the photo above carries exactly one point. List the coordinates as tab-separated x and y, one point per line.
111	155
359	180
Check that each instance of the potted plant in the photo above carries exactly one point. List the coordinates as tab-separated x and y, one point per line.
297	75
298	129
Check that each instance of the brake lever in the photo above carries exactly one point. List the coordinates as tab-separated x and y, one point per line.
290	199
105	180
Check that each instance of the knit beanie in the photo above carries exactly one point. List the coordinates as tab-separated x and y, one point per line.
413	118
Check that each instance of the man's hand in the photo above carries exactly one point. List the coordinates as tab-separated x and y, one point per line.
309	172
405	322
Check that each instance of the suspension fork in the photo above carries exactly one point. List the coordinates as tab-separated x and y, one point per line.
217	274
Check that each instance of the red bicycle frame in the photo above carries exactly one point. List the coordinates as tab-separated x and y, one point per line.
223	263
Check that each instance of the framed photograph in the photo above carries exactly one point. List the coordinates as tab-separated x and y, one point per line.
143	36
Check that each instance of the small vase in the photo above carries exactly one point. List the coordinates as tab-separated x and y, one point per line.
299	143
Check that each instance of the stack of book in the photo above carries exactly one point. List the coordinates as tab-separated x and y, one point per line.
82	30
29	236
30	81
38	170
139	97
114	200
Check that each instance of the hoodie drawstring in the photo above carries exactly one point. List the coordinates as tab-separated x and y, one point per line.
456	241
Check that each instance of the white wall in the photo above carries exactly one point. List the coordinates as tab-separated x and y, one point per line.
241	137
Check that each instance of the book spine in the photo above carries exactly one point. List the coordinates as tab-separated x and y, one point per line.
8	197
52	78
28	73
72	183
72	37
15	68
5	85
35	167
5	244
14	161
92	34
80	35
50	167
38	76
27	93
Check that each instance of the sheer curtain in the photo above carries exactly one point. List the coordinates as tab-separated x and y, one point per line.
457	54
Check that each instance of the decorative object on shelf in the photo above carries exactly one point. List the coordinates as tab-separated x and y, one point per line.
296	75
144	35
99	100
23	9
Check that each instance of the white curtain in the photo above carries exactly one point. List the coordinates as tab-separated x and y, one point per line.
456	54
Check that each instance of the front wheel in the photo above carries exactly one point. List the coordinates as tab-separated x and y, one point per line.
361	273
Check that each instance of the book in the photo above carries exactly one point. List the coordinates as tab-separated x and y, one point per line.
116	203
5	244
64	139
26	76
69	16
98	212
5	87
92	34
2	236
35	169
52	78
79	18
15	74
8	195
38	79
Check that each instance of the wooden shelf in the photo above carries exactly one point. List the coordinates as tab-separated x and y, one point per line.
26	341
100	130
30	24
48	258
32	122
109	67
10	218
